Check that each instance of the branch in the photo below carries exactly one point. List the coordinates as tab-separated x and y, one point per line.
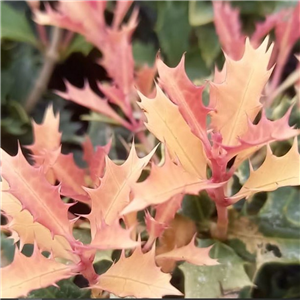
50	59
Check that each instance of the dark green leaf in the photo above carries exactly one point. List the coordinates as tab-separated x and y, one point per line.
200	13
229	277
208	43
67	289
173	29
15	26
143	53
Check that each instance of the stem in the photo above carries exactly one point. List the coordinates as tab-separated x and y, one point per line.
51	58
222	223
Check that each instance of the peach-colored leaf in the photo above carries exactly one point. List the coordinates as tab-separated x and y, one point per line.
186	95
228	27
71	177
87	98
95	159
154	227
275	172
178	234
144	79
168	125
190	253
112	195
267	131
112	237
29	232
163	183
260	134
166	211
137	276
46	135
25	274
236	100
36	194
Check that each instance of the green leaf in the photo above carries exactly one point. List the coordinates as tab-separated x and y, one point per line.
67	289
20	71
208	42
78	44
143	53
15	26
200	13
173	29
195	65
7	250
229	277
198	208
274	233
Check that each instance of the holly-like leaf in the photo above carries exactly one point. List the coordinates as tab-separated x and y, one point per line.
228	28
15	25
111	197
236	99
125	279
275	172
216	281
25	274
95	159
29	185
86	97
112	237
190	253
29	232
168	125
46	135
186	95
163	183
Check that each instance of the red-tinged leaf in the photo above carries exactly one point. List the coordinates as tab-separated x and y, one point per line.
144	79
236	100
263	28
72	16
190	253
163	183
29	232
260	134
275	172
120	12
88	150
112	195
166	211
267	131
154	227
186	95
118	45
25	274
116	96
46	135
112	237
70	176
96	160
36	194
114	43
87	98
228	27
124	278
168	125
